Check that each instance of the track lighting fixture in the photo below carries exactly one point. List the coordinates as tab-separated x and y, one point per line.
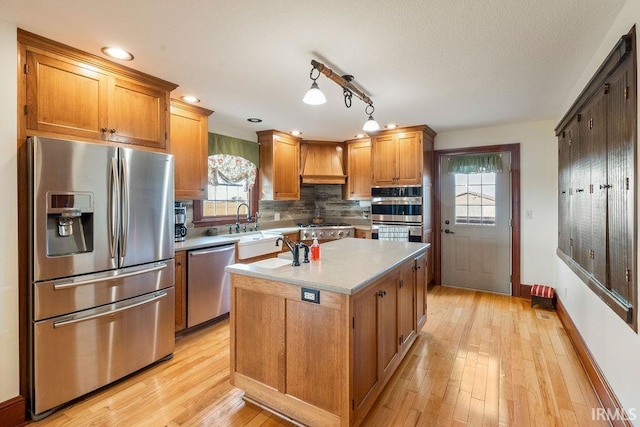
314	95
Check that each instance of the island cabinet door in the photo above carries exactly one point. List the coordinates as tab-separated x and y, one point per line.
375	342
406	305
421	291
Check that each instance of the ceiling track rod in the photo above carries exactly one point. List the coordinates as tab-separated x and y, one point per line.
341	81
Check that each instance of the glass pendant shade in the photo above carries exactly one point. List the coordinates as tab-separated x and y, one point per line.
314	96
370	125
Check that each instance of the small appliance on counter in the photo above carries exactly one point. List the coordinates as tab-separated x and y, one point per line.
180	220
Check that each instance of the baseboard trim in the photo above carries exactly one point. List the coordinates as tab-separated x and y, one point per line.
598	381
12	412
525	291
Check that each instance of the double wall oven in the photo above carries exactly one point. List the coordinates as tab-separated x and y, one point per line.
397	208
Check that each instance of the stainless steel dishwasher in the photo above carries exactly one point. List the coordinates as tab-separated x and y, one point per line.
208	285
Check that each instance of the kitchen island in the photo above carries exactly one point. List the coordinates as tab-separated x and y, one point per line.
317	343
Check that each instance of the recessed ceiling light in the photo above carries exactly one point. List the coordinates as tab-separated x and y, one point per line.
296	133
117	53
360	135
391	126
254	120
190	99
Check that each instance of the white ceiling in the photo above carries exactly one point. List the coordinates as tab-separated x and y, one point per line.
450	64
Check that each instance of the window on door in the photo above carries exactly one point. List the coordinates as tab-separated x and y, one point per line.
475	198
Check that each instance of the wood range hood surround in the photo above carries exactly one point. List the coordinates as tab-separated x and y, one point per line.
322	162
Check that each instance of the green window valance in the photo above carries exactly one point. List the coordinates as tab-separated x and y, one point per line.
476	163
222	144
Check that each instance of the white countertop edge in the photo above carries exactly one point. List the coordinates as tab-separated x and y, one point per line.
272	274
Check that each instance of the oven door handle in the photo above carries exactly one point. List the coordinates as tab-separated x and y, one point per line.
111	276
396	201
156	296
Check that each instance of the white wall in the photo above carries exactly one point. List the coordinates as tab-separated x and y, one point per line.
613	344
9	362
538	173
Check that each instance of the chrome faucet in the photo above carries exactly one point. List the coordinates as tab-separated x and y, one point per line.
238	215
294	247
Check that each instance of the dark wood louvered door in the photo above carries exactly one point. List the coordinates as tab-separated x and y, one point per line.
620	105
564	187
595	131
580	198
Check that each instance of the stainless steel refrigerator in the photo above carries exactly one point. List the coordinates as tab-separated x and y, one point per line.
102	271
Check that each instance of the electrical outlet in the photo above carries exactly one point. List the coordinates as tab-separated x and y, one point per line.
528	214
365	214
276	216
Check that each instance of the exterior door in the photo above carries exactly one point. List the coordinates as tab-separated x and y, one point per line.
476	228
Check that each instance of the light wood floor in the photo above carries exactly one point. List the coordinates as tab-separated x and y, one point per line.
481	360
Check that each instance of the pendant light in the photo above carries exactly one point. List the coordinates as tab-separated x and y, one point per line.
370	125
314	95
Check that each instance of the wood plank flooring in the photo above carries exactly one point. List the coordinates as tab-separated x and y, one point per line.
481	360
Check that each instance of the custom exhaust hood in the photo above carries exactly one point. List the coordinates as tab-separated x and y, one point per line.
322	162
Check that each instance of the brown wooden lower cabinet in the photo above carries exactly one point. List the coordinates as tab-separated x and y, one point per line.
326	363
181	290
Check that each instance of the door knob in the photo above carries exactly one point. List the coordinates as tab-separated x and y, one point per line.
447	231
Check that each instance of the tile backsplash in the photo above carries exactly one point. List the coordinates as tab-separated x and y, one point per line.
326	198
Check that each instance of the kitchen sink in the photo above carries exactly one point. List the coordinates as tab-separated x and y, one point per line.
271	263
257	244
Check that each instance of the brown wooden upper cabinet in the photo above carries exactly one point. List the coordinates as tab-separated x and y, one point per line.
73	93
279	166
396	156
190	149
358	160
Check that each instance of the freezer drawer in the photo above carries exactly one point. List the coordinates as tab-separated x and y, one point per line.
208	294
57	297
78	353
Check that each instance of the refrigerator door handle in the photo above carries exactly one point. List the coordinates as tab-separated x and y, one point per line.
114	207
70	321
124	182
111	276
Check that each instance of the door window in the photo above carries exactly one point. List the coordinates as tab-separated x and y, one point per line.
475	199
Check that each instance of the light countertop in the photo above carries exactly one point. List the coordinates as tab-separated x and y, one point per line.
224	239
346	265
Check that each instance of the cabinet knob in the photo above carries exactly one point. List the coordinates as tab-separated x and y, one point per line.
103	130
112	131
381	294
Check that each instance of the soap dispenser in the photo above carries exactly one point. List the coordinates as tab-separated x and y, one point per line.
315	250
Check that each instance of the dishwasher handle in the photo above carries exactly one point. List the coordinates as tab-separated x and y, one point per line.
209	251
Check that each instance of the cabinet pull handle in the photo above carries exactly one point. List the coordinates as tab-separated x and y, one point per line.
605	186
579	190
